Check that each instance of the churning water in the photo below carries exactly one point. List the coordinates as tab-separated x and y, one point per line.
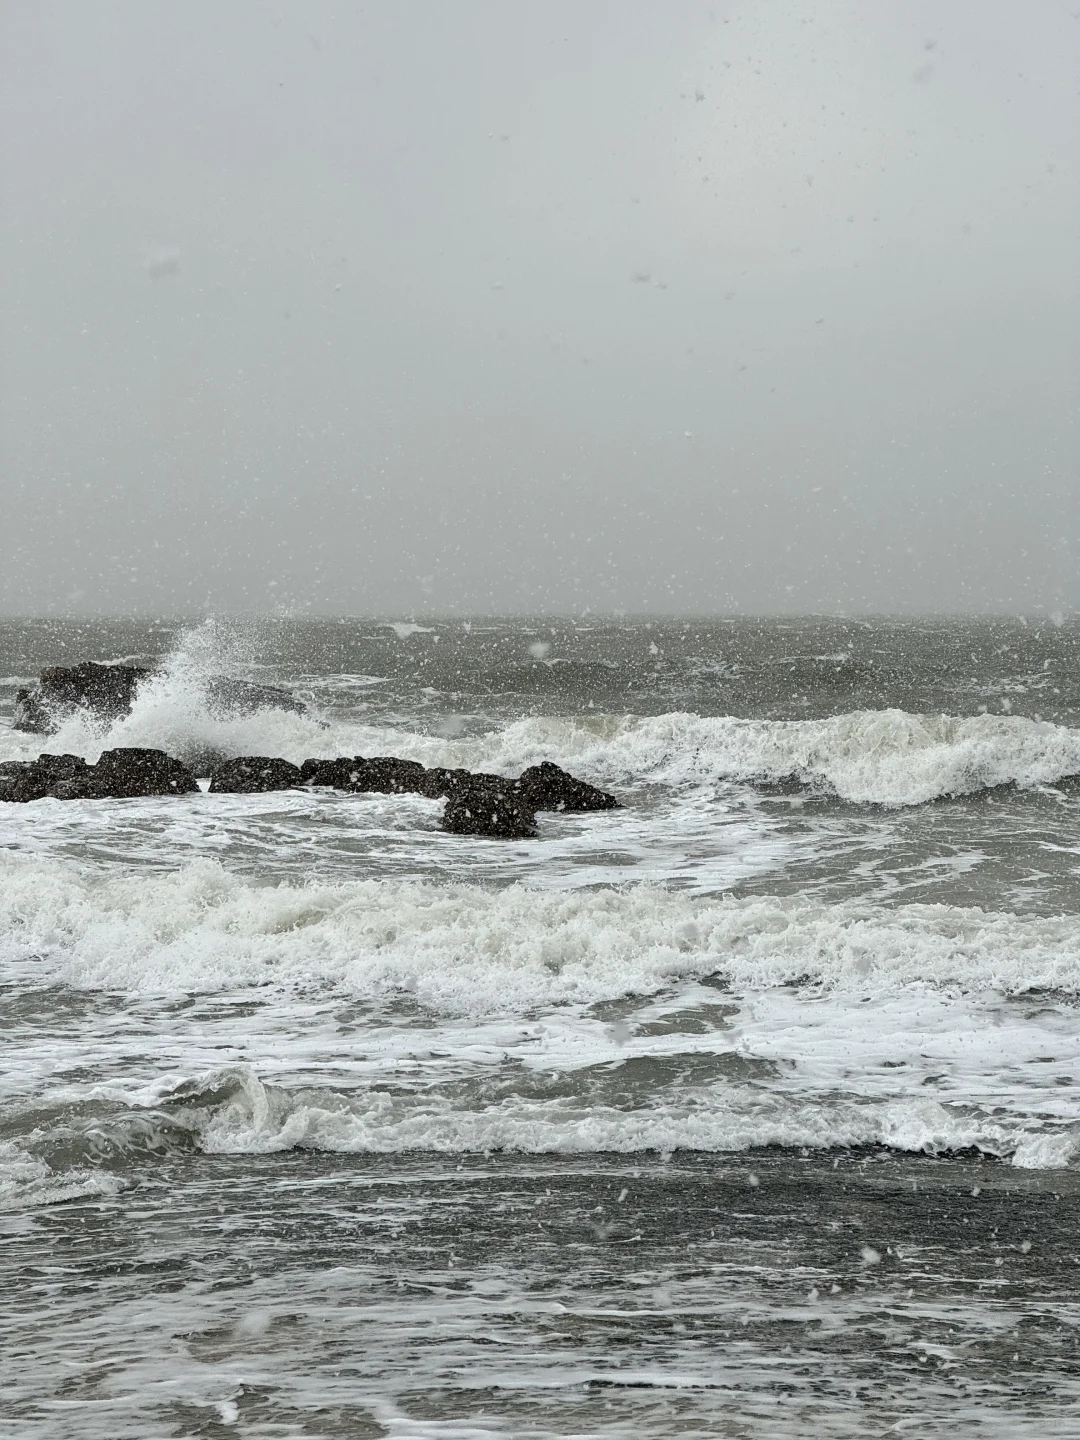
747	1109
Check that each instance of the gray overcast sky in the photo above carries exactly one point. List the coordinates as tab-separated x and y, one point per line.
422	306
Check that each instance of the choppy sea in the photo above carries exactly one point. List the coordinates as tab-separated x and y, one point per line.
748	1109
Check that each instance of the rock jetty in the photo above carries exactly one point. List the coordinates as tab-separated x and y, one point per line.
476	803
118	774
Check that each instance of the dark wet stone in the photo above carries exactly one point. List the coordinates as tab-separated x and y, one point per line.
11	772
439	783
390	776
477	804
344	773
793	784
108	692
382	773
250	774
130	772
34	779
483	808
547	787
239	697
118	774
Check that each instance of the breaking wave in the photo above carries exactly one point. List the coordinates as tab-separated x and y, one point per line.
233	1111
880	757
468	950
877	757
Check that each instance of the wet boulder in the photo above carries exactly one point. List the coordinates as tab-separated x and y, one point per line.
105	691
390	776
496	810
251	774
225	696
439	783
25	780
547	787
11	772
117	774
340	774
384	774
132	771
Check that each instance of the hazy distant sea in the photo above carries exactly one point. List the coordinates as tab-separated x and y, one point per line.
749	1109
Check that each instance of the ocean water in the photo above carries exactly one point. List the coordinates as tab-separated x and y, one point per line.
747	1109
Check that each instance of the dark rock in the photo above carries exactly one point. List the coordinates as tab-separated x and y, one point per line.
130	772
382	773
119	773
14	767
34	779
477	804
547	787
29	713
342	774
108	692
11	772
483	808
389	776
239	697
439	783
252	773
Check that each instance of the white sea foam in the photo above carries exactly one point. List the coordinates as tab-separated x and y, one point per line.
885	757
235	1111
394	1015
27	1181
404	628
466	949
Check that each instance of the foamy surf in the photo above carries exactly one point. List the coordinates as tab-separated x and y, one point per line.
884	758
239	1114
773	1050
400	1016
27	1182
470	949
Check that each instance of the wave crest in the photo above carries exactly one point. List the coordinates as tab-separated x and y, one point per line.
466	950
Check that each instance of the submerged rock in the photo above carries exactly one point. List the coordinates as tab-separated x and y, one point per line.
547	787
226	696
250	774
107	692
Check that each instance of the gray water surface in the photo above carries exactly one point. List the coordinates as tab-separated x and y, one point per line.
747	1109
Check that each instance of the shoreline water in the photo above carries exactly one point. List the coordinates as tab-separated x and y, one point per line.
768	1292
308	1107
